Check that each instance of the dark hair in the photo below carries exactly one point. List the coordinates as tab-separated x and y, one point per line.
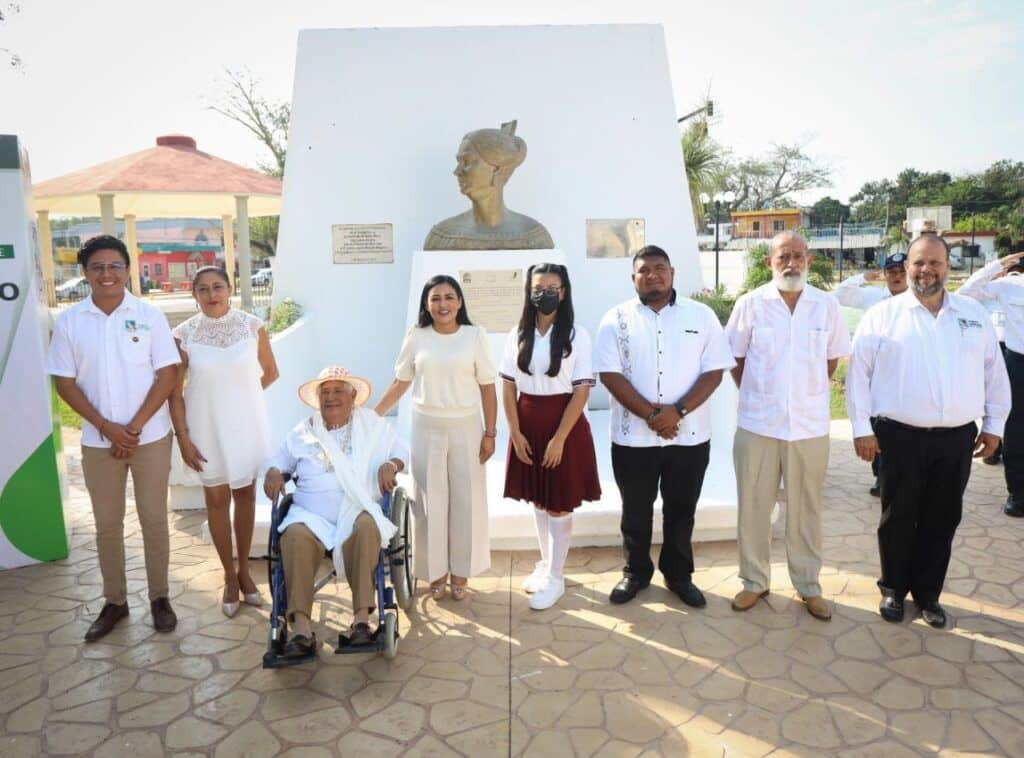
210	270
562	331
424	318
650	251
929	236
102	242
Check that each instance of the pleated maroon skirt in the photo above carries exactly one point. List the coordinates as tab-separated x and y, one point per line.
563	488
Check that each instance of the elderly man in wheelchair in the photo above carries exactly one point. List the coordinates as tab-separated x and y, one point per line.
343	459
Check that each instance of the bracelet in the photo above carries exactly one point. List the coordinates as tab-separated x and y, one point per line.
492	434
105	422
654	413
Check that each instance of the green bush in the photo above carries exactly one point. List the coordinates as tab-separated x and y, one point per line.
718	300
283	315
820	273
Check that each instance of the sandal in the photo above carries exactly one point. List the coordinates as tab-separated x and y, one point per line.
360	634
458	591
437	591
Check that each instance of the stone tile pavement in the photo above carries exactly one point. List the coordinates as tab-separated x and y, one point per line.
488	676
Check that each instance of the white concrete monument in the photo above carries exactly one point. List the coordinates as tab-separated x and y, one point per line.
377	117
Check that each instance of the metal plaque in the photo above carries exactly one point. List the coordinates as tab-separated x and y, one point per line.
494	297
362	243
614	237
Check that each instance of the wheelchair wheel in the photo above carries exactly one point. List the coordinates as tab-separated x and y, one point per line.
403	573
390	635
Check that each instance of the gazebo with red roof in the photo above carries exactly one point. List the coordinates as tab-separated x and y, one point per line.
167	181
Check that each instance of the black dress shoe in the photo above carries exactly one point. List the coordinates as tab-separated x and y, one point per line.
626	589
106	621
300	646
688	593
993	460
891	609
934	614
1013	507
164	619
876	491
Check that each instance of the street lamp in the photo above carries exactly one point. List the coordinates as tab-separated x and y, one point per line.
720	197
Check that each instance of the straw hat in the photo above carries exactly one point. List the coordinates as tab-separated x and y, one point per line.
307	391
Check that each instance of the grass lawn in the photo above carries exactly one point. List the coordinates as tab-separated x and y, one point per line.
837	391
67	416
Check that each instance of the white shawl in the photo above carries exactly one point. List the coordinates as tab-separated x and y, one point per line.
372	440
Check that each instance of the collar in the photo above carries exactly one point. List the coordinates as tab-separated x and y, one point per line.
810	293
909	300
130	303
640	306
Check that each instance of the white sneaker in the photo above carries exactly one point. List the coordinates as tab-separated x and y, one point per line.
535	581
548	595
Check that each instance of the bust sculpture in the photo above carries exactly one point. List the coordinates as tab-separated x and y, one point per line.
484	163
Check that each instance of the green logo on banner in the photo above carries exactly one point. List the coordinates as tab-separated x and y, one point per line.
6	251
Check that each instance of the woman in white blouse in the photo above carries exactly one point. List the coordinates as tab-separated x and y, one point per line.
551	461
220	419
448	363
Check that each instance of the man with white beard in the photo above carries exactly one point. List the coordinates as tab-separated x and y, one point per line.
787	337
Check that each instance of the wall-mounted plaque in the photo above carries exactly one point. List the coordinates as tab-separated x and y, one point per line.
362	243
494	297
614	237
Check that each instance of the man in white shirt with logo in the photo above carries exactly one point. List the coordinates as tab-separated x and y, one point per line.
661	357
787	337
113	359
1001	284
925	364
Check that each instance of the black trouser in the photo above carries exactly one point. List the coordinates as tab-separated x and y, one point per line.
679	471
1013	435
923	477
876	464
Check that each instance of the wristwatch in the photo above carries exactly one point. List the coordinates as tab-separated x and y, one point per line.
680	409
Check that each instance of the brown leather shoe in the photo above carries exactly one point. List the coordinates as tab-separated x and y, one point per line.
164	619
747	599
818	607
106	621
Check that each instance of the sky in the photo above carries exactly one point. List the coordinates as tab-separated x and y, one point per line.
869	87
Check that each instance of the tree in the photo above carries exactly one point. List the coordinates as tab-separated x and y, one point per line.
268	121
704	162
829	211
768	182
8	9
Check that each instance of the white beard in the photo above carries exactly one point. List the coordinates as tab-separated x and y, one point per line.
789	283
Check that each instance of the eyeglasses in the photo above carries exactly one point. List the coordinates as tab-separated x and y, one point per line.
99	268
548	291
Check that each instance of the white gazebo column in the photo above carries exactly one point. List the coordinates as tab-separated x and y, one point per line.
46	256
107	223
244	253
227	223
133	253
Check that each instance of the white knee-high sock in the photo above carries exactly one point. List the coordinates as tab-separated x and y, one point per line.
560	528
541	521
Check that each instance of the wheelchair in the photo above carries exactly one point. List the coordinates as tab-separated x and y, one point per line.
395	584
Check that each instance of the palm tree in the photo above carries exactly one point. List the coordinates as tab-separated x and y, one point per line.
705	163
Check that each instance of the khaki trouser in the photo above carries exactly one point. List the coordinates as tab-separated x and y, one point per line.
302	554
449	497
106	478
760	464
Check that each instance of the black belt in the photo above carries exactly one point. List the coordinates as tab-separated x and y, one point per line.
930	429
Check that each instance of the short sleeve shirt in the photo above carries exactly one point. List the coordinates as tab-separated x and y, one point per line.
662	354
574	371
446	370
784	392
113	360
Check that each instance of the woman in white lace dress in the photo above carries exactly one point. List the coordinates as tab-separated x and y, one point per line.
220	419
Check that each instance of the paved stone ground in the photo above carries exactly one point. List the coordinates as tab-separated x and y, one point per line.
490	677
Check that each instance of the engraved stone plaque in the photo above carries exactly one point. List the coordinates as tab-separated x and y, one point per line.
494	297
362	243
614	237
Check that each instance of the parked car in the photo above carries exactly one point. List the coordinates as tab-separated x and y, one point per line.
73	289
263	278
